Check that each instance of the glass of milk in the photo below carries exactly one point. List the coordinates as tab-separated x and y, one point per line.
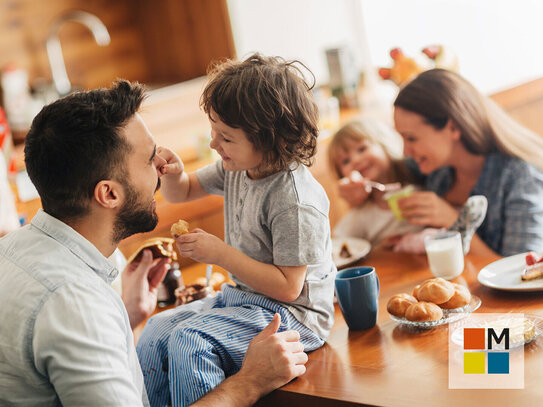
445	254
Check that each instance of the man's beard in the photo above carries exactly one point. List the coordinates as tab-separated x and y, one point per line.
135	216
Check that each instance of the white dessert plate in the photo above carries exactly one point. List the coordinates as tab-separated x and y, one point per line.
449	315
358	248
504	274
458	335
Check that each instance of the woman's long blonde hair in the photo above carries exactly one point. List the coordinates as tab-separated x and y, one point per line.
439	95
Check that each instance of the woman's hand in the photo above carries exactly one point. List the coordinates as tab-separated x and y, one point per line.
427	209
174	167
201	246
354	189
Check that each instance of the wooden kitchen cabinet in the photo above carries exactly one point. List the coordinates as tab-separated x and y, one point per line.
154	42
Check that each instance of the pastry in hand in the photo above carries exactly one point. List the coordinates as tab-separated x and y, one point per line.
423	312
398	304
159	246
460	298
179	228
436	290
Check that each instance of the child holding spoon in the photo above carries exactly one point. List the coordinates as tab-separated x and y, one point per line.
366	156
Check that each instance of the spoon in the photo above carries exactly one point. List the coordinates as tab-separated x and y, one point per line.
384	187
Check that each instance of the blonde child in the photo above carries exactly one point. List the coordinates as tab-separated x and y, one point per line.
361	151
277	236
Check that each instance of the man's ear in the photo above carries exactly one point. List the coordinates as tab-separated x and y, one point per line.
455	131
109	194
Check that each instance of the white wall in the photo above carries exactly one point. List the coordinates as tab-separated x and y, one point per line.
293	29
498	42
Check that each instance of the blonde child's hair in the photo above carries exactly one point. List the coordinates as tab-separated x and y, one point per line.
360	129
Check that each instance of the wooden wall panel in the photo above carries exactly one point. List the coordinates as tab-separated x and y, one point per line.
24	26
155	42
183	36
524	103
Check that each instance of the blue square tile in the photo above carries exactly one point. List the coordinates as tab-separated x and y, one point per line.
498	362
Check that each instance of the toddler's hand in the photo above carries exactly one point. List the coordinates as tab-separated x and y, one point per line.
354	189
174	166
200	246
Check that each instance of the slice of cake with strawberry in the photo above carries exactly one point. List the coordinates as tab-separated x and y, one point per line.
534	267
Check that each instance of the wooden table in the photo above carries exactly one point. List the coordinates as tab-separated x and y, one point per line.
390	365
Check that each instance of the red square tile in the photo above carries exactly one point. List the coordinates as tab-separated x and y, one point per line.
474	338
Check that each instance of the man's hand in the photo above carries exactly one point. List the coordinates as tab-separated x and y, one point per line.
140	284
273	359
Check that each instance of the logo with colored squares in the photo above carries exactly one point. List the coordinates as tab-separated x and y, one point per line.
486	351
478	355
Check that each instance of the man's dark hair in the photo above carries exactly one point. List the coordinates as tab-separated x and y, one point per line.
75	142
270	100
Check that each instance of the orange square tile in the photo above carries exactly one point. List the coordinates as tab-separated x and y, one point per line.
474	338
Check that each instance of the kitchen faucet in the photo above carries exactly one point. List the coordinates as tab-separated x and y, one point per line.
54	50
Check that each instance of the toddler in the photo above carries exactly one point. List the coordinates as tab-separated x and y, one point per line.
277	234
361	151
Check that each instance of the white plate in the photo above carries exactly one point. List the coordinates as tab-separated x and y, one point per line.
504	274
458	335
449	315
357	247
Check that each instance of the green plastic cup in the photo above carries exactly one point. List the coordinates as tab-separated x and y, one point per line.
392	200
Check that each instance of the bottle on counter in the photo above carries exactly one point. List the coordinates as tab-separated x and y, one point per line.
8	214
166	289
16	96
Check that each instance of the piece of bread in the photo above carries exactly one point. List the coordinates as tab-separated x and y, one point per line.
436	290
179	228
416	291
423	311
398	304
159	246
460	298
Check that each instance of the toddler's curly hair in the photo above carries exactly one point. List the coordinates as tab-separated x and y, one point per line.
271	101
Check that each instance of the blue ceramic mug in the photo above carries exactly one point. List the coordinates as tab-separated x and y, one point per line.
357	291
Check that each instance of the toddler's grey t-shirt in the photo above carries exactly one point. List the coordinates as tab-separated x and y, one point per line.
282	220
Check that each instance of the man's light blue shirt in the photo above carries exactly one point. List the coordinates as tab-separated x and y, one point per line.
65	336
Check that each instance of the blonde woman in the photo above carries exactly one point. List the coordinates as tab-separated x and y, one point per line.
464	145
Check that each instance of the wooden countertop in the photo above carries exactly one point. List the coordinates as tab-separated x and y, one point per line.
390	365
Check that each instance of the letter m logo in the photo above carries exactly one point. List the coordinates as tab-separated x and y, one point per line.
491	334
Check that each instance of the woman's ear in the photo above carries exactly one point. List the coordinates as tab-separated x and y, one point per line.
109	194
453	129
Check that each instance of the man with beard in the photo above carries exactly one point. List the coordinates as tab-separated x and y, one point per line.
65	335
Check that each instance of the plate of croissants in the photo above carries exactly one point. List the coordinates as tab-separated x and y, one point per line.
432	303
